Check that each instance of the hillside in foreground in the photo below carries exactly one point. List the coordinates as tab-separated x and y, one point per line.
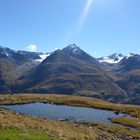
15	125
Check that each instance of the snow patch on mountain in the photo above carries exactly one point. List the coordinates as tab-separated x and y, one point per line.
129	55
42	57
74	48
114	58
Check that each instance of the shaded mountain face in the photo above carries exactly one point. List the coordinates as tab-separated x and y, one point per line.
130	62
128	76
18	57
13	64
126	73
71	71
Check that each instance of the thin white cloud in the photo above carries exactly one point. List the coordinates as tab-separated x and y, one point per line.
31	48
56	49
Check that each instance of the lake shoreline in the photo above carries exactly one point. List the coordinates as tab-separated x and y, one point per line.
65	112
70	129
77	101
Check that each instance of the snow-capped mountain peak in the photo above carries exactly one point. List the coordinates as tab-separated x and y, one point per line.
74	48
129	55
114	58
6	51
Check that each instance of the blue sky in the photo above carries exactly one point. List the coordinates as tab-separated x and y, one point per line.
100	27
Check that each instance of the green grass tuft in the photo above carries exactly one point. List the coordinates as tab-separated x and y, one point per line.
19	135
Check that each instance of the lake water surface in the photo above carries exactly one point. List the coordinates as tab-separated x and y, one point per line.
56	112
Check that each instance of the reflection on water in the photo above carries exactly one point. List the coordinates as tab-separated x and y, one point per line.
55	112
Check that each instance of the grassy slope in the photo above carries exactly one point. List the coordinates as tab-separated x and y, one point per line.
14	125
66	130
12	134
131	122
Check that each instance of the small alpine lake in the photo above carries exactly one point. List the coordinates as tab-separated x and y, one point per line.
60	112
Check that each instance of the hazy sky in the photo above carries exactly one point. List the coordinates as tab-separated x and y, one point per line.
100	27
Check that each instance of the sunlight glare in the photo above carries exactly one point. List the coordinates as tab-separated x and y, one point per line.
85	13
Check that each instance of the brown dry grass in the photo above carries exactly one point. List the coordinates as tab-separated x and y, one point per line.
131	122
67	130
64	130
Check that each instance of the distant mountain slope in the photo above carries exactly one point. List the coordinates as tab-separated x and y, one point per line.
126	73
13	64
71	71
128	76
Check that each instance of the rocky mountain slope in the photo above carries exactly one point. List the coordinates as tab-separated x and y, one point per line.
13	64
126	73
71	71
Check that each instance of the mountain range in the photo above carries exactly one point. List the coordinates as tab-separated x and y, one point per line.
71	71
